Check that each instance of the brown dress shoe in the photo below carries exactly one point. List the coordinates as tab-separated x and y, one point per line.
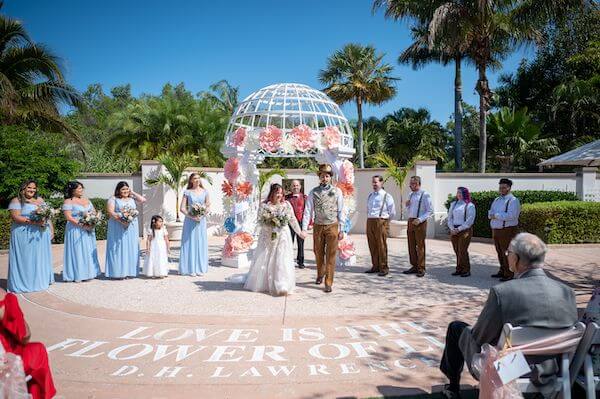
412	270
420	274
372	271
328	288
497	275
319	280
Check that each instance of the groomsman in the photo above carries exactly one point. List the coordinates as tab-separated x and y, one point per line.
419	210
297	200
380	209
504	221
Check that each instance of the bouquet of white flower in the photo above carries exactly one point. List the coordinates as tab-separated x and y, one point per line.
128	214
43	213
91	219
274	217
198	210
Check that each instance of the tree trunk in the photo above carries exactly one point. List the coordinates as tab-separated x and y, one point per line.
361	156
483	90
177	206
458	114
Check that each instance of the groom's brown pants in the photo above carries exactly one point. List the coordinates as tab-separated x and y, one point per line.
325	246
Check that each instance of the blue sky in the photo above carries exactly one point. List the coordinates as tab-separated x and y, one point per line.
250	43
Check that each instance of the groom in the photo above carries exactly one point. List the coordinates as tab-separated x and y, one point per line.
325	205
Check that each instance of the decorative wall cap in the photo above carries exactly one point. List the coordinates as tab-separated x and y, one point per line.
442	175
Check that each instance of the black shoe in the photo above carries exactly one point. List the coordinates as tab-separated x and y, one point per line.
381	274
372	271
327	289
503	279
301	266
319	280
412	270
420	274
456	273
467	274
497	275
450	394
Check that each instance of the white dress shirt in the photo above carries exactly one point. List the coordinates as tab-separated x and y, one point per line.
504	216
425	210
377	209
309	208
458	217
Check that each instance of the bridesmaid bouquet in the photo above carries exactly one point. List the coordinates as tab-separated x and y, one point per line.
275	218
128	214
43	213
91	219
198	210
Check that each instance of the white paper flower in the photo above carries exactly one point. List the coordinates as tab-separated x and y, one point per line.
288	145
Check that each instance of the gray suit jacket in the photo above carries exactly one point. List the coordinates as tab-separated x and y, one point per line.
532	300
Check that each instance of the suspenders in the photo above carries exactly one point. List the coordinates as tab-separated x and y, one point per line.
454	206
506	210
419	206
382	205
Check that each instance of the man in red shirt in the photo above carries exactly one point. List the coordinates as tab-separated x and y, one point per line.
297	200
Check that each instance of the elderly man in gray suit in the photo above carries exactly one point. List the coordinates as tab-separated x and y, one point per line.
532	299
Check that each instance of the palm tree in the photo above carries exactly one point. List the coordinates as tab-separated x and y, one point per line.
357	73
32	85
223	95
490	29
265	176
395	172
175	166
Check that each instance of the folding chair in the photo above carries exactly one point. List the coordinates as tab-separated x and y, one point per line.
589	345
544	343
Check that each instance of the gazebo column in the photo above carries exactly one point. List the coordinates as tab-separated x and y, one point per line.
586	184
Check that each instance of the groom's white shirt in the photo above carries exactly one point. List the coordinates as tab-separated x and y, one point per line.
309	208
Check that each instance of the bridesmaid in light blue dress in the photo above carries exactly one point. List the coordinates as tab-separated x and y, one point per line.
193	259
80	252
30	249
122	241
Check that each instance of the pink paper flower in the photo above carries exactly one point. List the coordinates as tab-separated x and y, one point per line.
244	190
304	138
239	137
346	188
331	137
347	172
346	248
232	169
237	243
270	138
227	188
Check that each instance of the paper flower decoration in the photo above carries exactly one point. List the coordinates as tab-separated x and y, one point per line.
270	138
237	243
232	169
244	190
346	248
350	204
304	138
331	137
227	188
347	172
347	189
288	145
229	225
239	137
347	225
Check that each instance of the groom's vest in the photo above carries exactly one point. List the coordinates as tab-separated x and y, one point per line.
325	204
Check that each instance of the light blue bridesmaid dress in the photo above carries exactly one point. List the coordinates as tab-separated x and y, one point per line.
122	244
194	245
80	253
30	254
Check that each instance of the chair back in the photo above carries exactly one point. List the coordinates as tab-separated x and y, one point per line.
541	341
589	343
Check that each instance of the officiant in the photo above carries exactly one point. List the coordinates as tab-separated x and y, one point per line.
297	199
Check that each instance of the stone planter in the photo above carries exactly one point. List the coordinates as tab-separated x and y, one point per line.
398	228
174	229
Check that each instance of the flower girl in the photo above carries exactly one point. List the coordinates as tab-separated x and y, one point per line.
156	263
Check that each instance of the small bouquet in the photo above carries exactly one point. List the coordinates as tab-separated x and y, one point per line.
198	210
43	213
91	219
128	214
274	217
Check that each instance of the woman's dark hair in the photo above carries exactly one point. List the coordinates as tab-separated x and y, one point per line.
71	187
22	188
272	191
120	185
153	221
189	185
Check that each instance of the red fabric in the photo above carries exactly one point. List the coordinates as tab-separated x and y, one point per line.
297	202
34	355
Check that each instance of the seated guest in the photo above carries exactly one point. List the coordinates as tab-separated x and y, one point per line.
532	299
14	337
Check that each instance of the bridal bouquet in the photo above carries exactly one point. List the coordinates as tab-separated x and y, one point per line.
274	217
91	219
43	213
198	210
128	214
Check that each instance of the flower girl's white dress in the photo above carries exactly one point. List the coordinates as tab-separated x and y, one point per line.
156	263
272	265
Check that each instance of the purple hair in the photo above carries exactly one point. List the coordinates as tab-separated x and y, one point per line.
465	194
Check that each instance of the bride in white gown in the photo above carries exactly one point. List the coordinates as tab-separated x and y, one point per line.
272	265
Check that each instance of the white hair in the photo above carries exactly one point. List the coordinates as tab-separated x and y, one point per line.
530	249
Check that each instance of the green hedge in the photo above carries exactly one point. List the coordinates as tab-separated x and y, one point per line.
483	201
564	222
59	223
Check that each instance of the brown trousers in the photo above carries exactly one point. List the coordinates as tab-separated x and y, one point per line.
325	246
502	238
377	233
460	243
416	244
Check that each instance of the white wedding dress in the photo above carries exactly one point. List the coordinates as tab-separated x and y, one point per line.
272	265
